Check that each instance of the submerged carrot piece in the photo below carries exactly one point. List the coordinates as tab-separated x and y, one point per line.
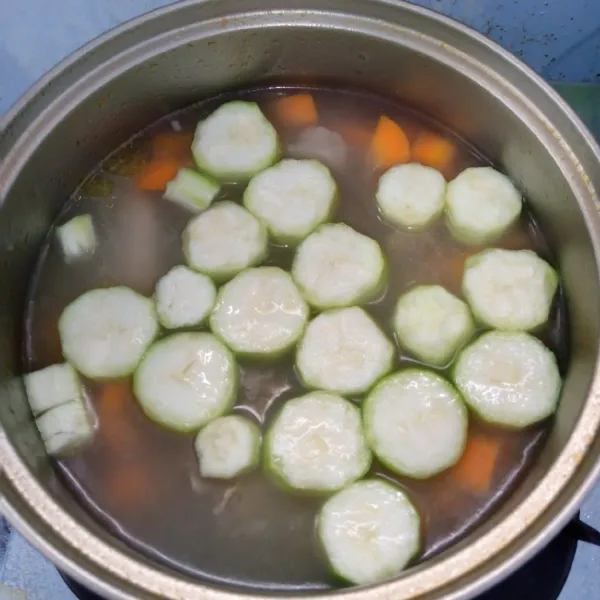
169	143
113	397
475	469
157	173
434	151
111	411
389	145
299	110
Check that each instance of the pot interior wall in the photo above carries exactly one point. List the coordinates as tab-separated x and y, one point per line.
112	96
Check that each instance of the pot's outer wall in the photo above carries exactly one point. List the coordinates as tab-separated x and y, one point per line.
160	63
560	40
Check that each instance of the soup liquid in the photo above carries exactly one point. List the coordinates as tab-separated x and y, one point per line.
142	481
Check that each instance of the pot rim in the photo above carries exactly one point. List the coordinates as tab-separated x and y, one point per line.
43	518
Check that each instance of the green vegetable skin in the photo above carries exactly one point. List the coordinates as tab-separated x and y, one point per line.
235	142
186	380
292	198
368	532
416	423
331	460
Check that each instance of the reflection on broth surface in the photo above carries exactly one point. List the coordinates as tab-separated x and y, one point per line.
142	481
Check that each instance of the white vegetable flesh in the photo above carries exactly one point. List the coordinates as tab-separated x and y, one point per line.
105	332
186	380
228	447
292	198
344	351
509	289
51	387
224	240
416	423
77	237
192	190
337	266
260	312
370	531
481	204
316	444
66	428
411	196
509	378
432	324
235	142
184	298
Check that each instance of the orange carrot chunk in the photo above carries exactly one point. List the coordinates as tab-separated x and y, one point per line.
389	145
475	469
299	110
171	144
434	151
157	174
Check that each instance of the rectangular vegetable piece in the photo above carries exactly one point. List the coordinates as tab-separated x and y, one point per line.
192	190
77	237
297	111
389	145
52	387
66	428
476	467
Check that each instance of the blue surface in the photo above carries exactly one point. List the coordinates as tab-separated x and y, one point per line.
558	38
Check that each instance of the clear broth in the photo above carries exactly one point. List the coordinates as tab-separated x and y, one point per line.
142	481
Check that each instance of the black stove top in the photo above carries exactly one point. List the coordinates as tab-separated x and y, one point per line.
542	578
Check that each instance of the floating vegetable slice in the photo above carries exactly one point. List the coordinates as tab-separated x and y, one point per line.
184	298
66	428
224	240
77	237
416	423
316	444
481	204
411	196
105	332
509	289
186	380
192	190
343	351
228	447
235	142
292	198
337	266
432	324
259	313
508	378
370	531
51	387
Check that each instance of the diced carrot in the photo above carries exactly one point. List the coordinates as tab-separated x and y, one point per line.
389	145
434	151
157	173
475	469
170	143
112	413
113	397
299	110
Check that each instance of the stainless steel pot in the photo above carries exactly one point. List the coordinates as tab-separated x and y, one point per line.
121	82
